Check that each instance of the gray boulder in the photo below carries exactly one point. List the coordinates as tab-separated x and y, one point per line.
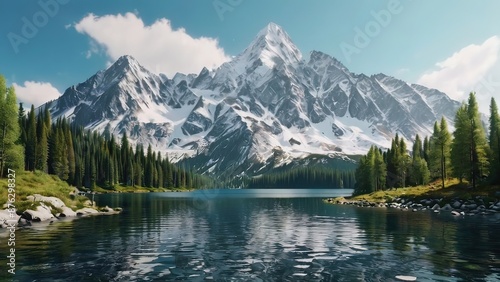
41	213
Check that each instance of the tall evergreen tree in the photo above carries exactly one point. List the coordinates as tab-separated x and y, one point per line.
404	162
70	153
470	148
435	152
419	173
21	116
379	170
460	148
11	153
417	150
494	142
42	145
31	140
426	150
60	152
148	170
479	149
440	150
125	159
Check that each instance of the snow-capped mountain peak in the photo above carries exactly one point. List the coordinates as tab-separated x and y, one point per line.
273	47
264	109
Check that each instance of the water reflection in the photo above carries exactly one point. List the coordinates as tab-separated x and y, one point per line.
159	238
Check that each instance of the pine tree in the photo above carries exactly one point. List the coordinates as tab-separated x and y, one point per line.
159	170
393	165
31	140
364	173
417	148
42	145
11	154
419	173
494	142
70	152
479	149
60	152
426	150
435	152
21	116
125	158
460	148
440	150
379	170
404	162
470	148
148	171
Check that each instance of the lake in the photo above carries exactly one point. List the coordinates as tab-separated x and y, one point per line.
255	235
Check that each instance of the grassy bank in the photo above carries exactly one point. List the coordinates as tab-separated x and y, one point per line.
453	190
29	183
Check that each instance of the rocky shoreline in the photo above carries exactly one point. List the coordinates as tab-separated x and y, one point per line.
48	209
457	207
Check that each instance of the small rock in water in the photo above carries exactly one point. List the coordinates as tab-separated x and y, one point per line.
406	278
455	213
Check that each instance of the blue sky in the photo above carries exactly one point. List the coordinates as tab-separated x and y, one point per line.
451	45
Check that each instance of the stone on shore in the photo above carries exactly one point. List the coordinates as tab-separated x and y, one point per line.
41	213
55	202
86	211
67	212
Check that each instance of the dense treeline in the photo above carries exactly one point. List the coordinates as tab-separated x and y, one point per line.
80	157
466	154
86	159
306	177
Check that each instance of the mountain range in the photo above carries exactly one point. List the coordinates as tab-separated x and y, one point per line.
266	108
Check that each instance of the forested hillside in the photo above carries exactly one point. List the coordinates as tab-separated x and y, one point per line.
31	141
466	154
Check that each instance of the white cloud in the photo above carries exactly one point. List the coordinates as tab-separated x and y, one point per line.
158	47
35	93
466	71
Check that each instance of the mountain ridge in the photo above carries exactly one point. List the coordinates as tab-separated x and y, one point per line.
266	108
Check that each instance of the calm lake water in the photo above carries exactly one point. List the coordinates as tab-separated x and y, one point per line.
255	235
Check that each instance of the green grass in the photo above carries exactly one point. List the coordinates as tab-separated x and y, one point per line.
453	189
29	183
